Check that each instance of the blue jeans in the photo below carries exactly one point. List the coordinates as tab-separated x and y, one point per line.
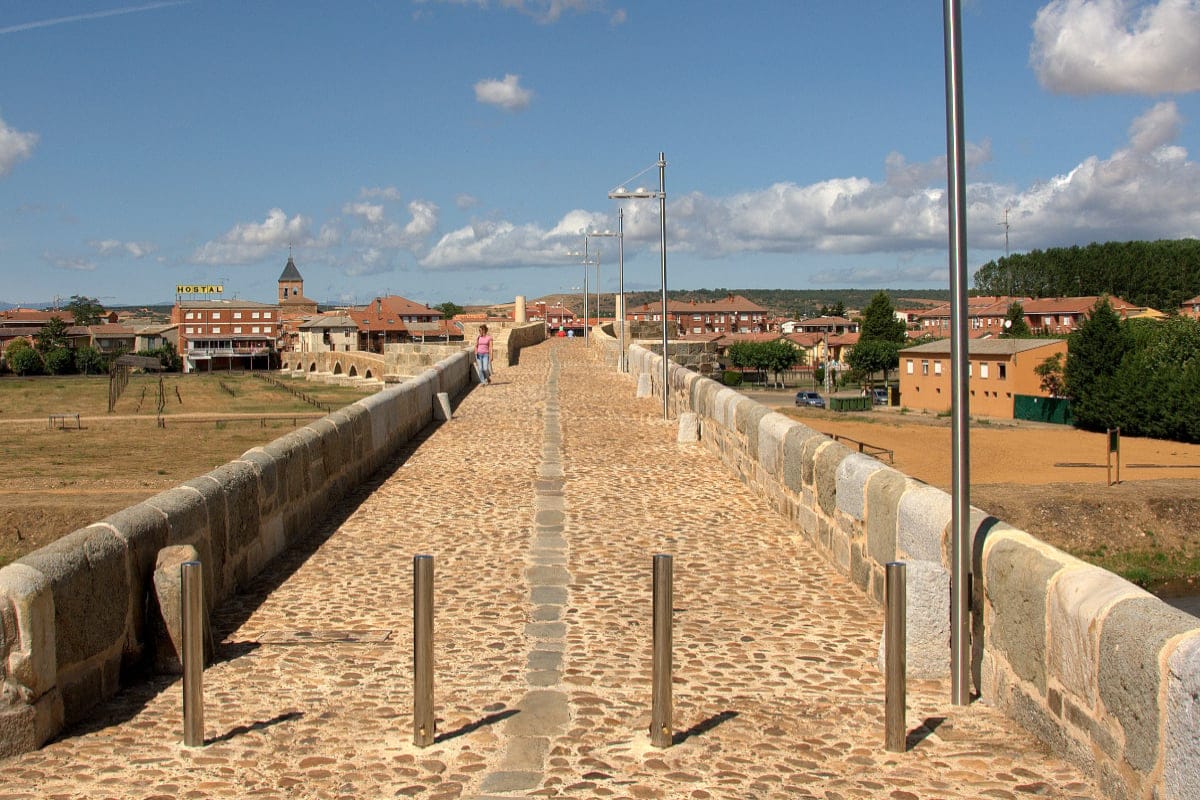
483	366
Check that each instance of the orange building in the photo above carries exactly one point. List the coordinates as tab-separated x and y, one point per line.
999	369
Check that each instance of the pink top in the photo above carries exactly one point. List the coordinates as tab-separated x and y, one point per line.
483	345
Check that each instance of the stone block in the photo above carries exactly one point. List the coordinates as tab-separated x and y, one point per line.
1181	745
796	457
924	513
1079	599
27	634
825	468
167	632
644	387
1133	635
89	576
884	489
240	483
927	621
1017	574
747	414
689	428
852	475
442	409
772	433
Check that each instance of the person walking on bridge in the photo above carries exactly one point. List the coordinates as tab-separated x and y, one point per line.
483	355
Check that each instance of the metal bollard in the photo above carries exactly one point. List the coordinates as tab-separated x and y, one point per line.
423	722
192	615
661	711
896	659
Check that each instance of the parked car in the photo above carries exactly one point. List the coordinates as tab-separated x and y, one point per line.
881	396
810	399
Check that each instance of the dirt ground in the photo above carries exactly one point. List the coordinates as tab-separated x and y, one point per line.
1052	481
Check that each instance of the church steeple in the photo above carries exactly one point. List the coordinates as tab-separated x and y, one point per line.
291	284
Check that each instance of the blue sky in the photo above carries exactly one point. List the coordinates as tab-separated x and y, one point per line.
454	149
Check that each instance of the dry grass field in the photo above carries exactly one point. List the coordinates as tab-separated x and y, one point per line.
59	479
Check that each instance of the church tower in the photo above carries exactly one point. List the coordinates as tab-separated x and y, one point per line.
291	284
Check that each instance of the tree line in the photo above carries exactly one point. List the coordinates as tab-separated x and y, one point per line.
1160	274
1141	376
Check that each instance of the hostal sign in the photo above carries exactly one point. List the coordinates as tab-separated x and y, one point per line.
199	288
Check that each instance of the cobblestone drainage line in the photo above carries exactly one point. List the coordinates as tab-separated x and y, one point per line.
544	712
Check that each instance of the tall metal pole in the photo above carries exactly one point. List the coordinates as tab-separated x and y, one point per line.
662	223
619	306
661	703
192	618
960	465
586	325
423	717
896	659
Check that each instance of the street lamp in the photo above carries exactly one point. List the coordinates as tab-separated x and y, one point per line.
621	193
586	263
619	298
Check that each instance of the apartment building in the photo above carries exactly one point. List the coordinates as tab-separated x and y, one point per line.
731	314
1048	315
999	369
226	334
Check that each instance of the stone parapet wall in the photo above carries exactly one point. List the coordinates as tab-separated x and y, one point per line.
73	615
507	338
1099	669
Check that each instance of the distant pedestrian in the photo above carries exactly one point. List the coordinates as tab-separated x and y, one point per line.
483	355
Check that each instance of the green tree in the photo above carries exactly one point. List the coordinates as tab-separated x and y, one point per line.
449	309
22	359
59	361
89	360
50	336
171	360
85	310
880	336
879	321
1094	353
838	309
1051	373
778	356
874	355
1014	322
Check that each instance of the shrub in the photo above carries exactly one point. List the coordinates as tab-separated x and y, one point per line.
732	378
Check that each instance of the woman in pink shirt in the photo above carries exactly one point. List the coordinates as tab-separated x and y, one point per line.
483	355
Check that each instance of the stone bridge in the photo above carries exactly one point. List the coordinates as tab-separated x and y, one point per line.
542	501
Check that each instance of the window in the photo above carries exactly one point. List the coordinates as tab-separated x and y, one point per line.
696	329
924	367
983	370
1003	370
237	315
937	368
255	329
254	315
909	365
216	315
745	317
189	330
696	317
190	315
266	315
237	329
216	329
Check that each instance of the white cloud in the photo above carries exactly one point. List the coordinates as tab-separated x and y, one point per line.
370	213
383	192
108	247
15	146
248	242
487	243
545	11
68	263
1117	46
507	93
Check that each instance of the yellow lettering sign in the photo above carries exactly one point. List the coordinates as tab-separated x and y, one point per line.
199	288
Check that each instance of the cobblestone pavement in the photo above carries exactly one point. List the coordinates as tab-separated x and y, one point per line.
543	501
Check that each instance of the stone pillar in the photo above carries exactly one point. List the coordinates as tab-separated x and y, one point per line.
519	317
